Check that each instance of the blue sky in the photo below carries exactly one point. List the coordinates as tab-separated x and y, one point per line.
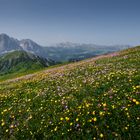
81	21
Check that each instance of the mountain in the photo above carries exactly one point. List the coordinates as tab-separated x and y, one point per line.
8	44
61	52
32	47
21	61
97	98
73	51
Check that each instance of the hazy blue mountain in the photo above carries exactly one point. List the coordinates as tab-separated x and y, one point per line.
74	51
8	44
32	47
61	52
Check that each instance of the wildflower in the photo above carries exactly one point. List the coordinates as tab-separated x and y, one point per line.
90	120
94	119
71	124
5	110
113	106
126	128
11	126
77	119
3	123
30	117
134	100
101	113
67	119
93	112
126	109
55	128
79	107
101	135
104	104
137	103
31	133
88	112
61	119
87	105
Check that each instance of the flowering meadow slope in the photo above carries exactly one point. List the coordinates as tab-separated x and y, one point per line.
97	98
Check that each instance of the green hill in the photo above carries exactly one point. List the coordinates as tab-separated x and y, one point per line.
97	98
19	62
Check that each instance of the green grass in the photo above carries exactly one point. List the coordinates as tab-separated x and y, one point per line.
23	72
97	99
19	63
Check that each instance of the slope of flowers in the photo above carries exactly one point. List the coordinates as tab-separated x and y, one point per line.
98	99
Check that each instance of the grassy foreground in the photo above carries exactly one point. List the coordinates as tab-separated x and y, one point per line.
96	99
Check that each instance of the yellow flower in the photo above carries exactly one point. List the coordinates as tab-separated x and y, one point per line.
137	103
31	132
134	100
87	105
113	106
79	107
6	130
67	119
61	119
94	119
126	128
3	123
11	126
77	119
71	124
88	112
101	113
90	120
104	104
30	117
101	135
4	110
126	109
55	128
93	112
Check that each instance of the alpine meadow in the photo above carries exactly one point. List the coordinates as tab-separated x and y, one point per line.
69	69
97	98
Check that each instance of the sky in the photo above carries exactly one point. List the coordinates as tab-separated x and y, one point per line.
103	22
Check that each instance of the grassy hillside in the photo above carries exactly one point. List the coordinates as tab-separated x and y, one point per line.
92	99
20	62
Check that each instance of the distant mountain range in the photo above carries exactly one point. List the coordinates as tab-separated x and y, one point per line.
9	44
60	52
74	51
